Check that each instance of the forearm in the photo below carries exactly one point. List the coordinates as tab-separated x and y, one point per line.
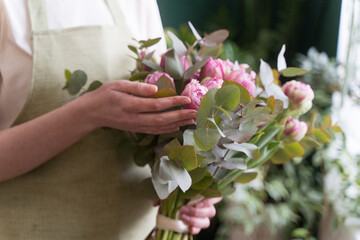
27	146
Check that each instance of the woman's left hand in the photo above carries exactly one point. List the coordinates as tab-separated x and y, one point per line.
197	217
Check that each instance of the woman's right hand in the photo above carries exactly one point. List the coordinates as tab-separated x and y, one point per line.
127	106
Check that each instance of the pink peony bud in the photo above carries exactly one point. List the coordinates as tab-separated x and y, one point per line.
184	61
152	78
300	95
242	77
195	91
294	130
216	68
213	83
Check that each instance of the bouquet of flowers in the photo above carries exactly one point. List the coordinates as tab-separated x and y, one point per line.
244	120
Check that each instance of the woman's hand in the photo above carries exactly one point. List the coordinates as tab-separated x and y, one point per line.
198	217
121	105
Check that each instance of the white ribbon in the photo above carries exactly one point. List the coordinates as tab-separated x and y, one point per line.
176	225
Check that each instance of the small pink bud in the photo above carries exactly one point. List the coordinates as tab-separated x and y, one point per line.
294	130
195	91
216	68
152	78
300	95
242	77
212	83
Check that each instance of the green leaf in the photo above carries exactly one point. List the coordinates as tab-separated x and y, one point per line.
287	153
186	155
293	72
206	138
265	155
211	193
216	38
152	65
268	135
224	111
165	92
165	151
164	82
310	142
204	183
144	156
210	51
178	45
150	42
270	103
197	174
216	126
194	68
326	123
139	76
251	150
295	149
322	136
246	177
67	75
228	97
173	65
94	85
146	140
336	129
77	81
206	108
133	49
244	93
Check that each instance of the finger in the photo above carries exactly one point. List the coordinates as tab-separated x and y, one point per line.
205	212
138	104
154	131
208	202
194	230
165	118
195	222
141	89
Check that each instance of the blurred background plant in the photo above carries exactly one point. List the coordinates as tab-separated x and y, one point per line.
309	198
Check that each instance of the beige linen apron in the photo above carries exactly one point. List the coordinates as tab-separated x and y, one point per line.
89	191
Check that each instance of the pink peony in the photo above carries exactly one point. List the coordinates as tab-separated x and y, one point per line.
213	83
195	91
294	130
216	68
245	79
300	95
152	78
184	61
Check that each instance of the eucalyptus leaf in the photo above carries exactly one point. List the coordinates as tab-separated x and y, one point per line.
178	45
210	51
197	174
150	42
173	65
165	92
152	65
265	154
228	97
94	85
245	96
193	30
246	177
206	138
164	82
194	68
293	72
206	109
139	76
77	81
133	49
251	150
216	38
212	120
186	155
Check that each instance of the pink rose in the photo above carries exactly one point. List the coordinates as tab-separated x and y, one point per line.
294	130
300	95
195	91
213	83
152	78
184	61
244	78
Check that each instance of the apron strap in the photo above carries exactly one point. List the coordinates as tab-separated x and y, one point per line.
116	12
38	17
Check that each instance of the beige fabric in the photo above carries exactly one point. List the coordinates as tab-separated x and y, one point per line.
90	191
142	16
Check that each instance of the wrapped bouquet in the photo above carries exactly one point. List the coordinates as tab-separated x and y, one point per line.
244	120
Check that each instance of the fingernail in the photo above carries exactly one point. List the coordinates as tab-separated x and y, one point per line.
187	100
